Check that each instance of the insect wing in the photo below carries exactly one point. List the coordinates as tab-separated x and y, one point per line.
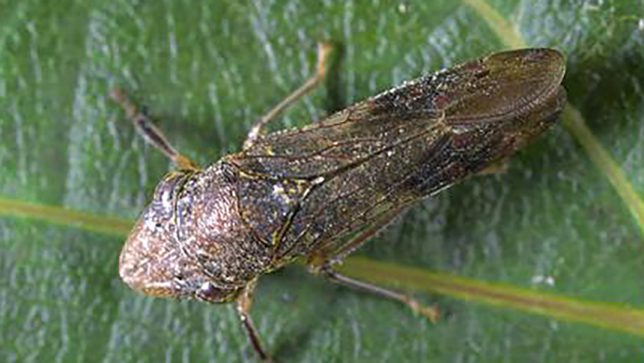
397	147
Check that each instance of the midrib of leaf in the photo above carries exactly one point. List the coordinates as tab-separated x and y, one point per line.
571	119
65	217
604	315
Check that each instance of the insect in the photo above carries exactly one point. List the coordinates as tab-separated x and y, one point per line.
320	191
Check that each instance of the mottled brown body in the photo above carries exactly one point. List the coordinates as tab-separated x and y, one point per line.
306	192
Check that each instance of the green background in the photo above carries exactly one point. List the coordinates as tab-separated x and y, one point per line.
206	70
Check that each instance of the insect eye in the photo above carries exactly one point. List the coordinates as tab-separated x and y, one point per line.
169	186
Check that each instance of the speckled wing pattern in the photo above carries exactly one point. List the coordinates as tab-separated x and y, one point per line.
336	166
305	187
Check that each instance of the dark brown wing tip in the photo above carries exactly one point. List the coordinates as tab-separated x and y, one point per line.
548	59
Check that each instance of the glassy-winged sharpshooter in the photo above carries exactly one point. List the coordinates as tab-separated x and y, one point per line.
320	191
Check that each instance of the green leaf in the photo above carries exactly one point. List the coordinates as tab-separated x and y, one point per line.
564	220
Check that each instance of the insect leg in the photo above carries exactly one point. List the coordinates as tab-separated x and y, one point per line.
244	303
430	312
151	133
324	49
322	263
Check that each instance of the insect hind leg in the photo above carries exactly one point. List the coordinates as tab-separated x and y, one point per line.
430	312
321	263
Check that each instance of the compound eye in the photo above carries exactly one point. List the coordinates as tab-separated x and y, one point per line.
168	188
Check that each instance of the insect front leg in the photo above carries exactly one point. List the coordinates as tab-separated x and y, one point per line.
324	50
244	303
151	133
322	263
